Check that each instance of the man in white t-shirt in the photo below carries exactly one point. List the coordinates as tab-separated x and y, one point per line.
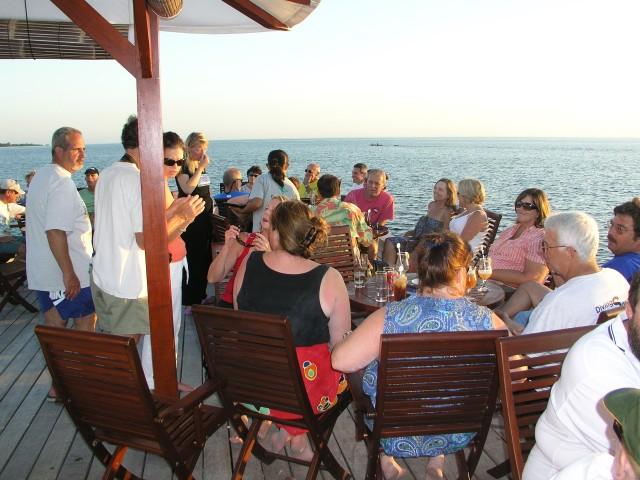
575	423
10	191
59	237
119	279
359	176
569	247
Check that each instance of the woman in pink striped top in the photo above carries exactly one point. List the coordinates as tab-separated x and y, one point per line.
516	254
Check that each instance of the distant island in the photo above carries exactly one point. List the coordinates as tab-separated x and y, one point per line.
9	144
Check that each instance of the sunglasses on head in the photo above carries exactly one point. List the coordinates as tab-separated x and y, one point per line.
170	162
526	205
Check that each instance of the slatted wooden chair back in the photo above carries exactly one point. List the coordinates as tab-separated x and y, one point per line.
610	314
493	220
253	356
436	383
220	225
12	276
338	252
529	365
100	381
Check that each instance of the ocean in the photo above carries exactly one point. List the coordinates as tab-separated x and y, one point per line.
592	175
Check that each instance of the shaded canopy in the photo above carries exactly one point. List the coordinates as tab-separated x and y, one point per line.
38	29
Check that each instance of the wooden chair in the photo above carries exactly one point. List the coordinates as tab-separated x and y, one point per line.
431	383
100	381
220	224
253	356
12	276
611	313
338	252
529	365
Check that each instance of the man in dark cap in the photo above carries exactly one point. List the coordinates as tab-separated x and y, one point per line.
87	194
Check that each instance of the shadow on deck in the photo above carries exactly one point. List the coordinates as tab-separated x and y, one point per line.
39	441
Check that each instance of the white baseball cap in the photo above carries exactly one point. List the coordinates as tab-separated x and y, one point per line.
11	184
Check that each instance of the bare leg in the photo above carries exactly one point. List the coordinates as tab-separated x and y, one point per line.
389	253
435	468
301	448
87	323
527	296
390	468
53	318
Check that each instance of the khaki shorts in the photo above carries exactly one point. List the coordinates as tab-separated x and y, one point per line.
120	316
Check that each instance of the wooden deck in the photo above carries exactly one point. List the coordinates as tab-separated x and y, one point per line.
39	441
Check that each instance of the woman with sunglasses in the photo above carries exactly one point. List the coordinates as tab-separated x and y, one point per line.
173	160
516	254
192	179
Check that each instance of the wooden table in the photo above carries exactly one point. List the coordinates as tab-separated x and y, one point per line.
364	299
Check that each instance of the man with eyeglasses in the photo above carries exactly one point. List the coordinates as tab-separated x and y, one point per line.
624	238
583	288
10	242
309	185
575	425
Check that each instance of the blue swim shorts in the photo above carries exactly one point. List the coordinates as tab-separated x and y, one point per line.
81	306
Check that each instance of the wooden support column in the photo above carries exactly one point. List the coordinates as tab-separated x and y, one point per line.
153	202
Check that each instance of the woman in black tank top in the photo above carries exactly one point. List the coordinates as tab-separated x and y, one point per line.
313	297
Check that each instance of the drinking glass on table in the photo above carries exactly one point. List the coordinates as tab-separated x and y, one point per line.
484	272
360	271
382	291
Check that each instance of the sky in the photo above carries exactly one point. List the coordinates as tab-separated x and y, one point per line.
365	68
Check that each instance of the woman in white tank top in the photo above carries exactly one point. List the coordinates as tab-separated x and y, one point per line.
471	224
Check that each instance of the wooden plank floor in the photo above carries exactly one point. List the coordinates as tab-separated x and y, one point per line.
39	441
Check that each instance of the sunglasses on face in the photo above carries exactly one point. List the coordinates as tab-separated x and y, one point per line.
308	171
254	174
526	206
170	162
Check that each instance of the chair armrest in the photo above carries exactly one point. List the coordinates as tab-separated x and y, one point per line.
191	400
363	405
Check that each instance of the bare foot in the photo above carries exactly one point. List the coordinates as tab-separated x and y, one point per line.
390	468
183	387
301	448
435	467
513	326
264	429
279	439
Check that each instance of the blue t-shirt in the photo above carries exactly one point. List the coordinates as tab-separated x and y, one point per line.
627	264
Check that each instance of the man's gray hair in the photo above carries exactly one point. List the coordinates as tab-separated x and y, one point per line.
229	174
378	171
577	230
60	138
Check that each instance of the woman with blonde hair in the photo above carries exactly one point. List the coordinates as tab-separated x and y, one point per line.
471	224
193	180
313	297
440	306
439	212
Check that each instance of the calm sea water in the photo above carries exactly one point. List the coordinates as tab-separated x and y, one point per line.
592	175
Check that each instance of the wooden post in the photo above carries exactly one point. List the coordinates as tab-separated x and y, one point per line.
153	203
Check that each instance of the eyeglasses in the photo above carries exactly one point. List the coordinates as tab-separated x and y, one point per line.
619	228
526	206
617	429
306	170
254	175
546	247
170	162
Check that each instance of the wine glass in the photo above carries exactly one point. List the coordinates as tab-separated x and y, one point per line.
484	272
404	259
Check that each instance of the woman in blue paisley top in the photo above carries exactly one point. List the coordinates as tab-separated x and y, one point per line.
440	306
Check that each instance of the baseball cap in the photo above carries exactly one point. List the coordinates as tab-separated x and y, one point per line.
11	184
624	405
91	170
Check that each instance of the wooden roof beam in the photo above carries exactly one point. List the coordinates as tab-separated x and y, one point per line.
258	15
94	24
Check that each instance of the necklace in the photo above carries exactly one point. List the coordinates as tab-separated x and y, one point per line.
127	158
